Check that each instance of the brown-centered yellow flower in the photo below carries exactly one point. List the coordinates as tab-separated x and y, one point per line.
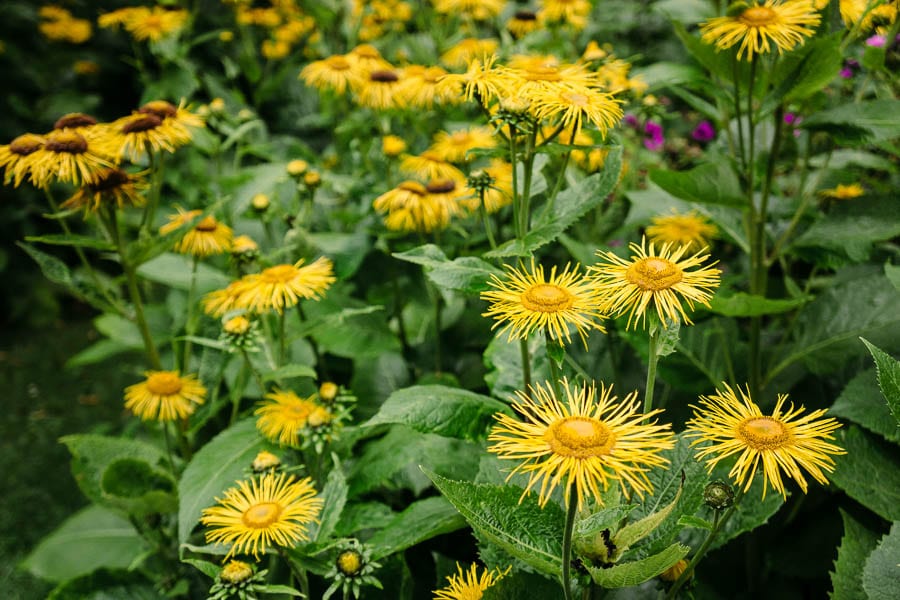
585	441
17	156
761	26
207	238
67	156
165	396
113	188
782	445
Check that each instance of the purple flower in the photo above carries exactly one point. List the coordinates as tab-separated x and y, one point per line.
792	119
876	41
846	73
654	138
704	132
631	121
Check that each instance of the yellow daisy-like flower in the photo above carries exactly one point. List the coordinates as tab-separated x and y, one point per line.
419	87
274	510
480	10
283	286
67	156
466	50
572	12
206	238
154	127
380	90
758	27
283	415
393	146
854	10
844	192
220	302
165	396
589	441
366	58
527	301
332	73
482	81
500	192
468	585
522	23
430	165
784	444
691	229
570	107
154	24
661	278
411	206
454	147
17	156
114	188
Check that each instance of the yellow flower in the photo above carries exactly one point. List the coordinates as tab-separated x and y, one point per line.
500	192
274	510
113	187
572	12
67	156
412	206
220	302
206	238
691	229
59	25
332	73
366	58
661	278
154	24
468	585
283	286
480	10
283	415
469	49
844	192
265	461
419	87
380	90
392	146
482	81
586	442
165	396
297	167
17	157
235	572
527	301
454	147
154	127
522	23
570	107
854	10
758	27
783	444
430	165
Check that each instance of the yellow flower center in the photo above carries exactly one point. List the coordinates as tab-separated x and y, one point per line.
260	516
278	274
654	274
299	411
349	562
580	437
758	16
542	74
237	325
338	63
236	572
65	141
546	297
763	433
579	100
165	383
207	224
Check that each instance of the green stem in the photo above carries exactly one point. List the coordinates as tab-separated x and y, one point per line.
757	233
652	361
189	325
517	199
567	542
237	392
437	332
168	441
487	223
282	342
526	366
561	177
297	573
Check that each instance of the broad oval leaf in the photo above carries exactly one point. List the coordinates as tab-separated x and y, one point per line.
420	521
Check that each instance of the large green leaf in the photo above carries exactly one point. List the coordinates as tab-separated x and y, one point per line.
637	572
805	71
720	64
520	584
856	545
216	467
174	270
742	304
420	521
710	183
334	497
862	402
468	274
521	528
347	327
447	411
858	122
881	577
869	455
570	205
851	228
107	584
503	359
92	538
888	369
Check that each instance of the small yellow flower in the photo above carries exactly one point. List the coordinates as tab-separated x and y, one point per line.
283	415
468	585
165	396
154	127
467	50
691	229
480	10
570	107
454	147
844	192
760	26
297	167
68	156
430	165
522	23
283	286
393	146
265	461
207	238
380	90
235	571
571	12
17	156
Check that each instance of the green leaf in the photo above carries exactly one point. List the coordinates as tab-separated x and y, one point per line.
53	269
467	274
119	329
214	468
637	572
92	538
447	411
422	520
720	64
888	370
97	352
852	227
289	372
334	496
742	304
503	359
873	58
892	272
137	488
107	584
853	473
348	327
174	270
209	569
638	530
881	576
861	402
858	122
71	239
663	74
347	250
709	183
856	545
570	205
523	529
805	71
519	584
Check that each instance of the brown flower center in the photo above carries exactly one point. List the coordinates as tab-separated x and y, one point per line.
279	274
207	224
26	144
763	433
110	180
160	108
547	298
525	15
165	383
66	141
74	121
260	516
441	186
143	122
383	76
758	16
580	437
654	274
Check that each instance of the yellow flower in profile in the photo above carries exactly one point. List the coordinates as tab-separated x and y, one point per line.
273	510
332	73
283	286
468	585
380	90
480	10
454	147
430	165
67	156
571	12
207	238
59	25
844	192
17	156
419	87
220	302
571	107
760	26
154	127
113	188
283	415
412	206
466	50
783	444
154	24
585	441
366	58
691	229
482	81
527	301
852	11
165	396
658	278
522	23
392	145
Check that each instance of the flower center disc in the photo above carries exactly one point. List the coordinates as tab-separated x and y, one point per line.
349	562
543	74
654	274
580	437
67	141
207	224
546	297
26	144
414	187
260	516
763	433
143	122
383	76
278	274
338	63
164	384
575	99
758	16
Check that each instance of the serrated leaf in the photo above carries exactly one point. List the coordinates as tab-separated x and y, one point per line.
71	239
853	227
638	530
138	488
858	122
447	411
710	183
805	71
92	538
695	522
868	454
518	585
881	576
742	304
522	529
639	571
467	274
861	402
422	520
503	360
856	545
888	370
216	467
